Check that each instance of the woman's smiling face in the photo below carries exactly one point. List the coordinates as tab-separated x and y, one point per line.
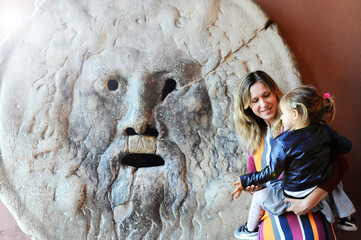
263	102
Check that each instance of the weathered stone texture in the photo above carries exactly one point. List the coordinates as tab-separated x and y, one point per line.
96	140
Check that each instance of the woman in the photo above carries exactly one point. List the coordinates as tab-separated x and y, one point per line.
257	121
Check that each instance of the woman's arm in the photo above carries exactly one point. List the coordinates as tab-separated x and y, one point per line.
251	163
339	166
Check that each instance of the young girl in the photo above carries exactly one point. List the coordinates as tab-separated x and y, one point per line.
302	152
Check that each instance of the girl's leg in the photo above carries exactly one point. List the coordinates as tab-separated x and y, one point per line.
256	211
342	203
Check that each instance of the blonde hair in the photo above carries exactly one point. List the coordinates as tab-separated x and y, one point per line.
312	107
250	127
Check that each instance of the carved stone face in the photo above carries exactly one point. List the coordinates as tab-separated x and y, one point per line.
126	104
118	123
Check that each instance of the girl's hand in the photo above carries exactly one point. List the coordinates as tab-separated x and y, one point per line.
253	188
238	190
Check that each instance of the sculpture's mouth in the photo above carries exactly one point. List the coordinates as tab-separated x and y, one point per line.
142	152
148	167
142	160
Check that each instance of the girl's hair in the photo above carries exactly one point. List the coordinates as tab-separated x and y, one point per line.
313	107
249	126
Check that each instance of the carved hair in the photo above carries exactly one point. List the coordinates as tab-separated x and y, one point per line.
312	106
249	126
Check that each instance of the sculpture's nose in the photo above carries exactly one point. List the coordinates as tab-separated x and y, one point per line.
141	123
139	117
143	98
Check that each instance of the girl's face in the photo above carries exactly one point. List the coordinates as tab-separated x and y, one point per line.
287	117
263	102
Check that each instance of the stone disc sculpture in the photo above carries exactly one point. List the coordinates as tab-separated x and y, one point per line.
116	116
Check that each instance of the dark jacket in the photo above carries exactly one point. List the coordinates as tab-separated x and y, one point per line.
304	155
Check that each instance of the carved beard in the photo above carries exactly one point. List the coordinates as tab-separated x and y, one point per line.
156	196
137	202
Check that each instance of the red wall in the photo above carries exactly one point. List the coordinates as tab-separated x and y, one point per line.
325	37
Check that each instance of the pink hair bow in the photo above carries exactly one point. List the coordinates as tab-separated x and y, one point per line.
326	95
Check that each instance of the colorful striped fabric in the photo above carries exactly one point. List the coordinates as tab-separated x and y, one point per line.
288	226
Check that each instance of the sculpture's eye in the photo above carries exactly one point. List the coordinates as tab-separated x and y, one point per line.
112	84
170	86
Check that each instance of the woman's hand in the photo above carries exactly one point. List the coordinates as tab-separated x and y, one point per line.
303	206
238	190
298	206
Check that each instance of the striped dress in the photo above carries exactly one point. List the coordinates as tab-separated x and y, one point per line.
289	225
